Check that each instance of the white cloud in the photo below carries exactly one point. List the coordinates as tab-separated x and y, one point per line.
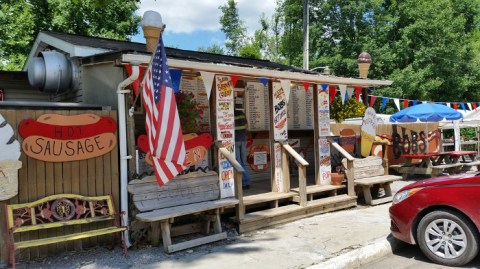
187	16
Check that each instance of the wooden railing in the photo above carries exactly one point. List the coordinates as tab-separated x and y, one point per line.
238	171
302	169
349	168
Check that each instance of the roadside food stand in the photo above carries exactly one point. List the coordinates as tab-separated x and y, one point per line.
285	107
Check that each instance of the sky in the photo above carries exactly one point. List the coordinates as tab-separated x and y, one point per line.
195	23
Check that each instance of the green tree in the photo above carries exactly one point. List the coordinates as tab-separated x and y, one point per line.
233	27
22	20
215	48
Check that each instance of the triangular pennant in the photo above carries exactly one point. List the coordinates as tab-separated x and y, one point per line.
397	103
414	102
358	91
176	76
424	102
324	86
469	106
384	103
372	100
332	92
286	87
234	79
207	78
343	91
405	103
455	106
136	83
306	85
448	104
264	81
474	105
462	105
350	92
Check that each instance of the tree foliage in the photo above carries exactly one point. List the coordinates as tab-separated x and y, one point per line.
22	20
233	27
430	49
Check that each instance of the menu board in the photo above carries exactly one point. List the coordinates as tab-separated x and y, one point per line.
191	84
257	113
300	108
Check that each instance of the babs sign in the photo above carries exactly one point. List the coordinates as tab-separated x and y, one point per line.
58	138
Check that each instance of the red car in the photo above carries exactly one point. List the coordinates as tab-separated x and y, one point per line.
442	216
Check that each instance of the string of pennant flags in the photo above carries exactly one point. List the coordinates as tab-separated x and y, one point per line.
346	91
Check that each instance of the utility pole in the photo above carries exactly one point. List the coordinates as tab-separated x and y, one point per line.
305	34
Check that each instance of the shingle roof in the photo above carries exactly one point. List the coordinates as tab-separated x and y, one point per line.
117	45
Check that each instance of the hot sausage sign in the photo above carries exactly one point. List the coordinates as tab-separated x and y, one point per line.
58	138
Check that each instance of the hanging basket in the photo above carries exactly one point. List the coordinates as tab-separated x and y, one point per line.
9	179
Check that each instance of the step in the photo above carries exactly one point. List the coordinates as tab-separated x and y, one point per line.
266	197
319	188
273	216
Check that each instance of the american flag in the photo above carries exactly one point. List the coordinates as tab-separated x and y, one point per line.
162	122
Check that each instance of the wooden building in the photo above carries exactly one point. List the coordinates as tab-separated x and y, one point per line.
291	188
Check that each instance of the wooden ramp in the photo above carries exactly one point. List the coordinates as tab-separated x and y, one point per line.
273	216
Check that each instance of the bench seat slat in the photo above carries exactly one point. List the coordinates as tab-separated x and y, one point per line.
68	237
377	180
62	224
171	212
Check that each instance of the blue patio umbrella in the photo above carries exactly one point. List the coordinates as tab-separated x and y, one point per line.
427	112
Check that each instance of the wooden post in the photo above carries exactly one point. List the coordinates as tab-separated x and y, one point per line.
350	180
285	171
167	240
240	207
316	134
302	184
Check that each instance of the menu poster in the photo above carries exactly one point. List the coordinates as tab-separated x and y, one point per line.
323	113
280	126
225	171
257	112
225	133
278	167
225	114
191	84
300	108
324	173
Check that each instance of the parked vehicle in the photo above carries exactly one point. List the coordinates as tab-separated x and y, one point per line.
442	216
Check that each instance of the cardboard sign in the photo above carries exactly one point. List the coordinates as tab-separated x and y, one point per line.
279	112
368	131
58	138
325	173
278	167
323	113
225	133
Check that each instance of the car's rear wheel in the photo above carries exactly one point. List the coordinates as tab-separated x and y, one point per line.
448	238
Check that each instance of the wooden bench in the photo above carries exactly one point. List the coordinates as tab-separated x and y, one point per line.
370	174
57	211
195	193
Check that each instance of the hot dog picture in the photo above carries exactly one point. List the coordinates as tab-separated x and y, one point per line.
59	138
196	148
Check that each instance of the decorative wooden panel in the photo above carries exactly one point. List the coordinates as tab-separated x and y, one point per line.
37	179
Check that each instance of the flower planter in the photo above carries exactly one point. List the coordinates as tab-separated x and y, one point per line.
9	179
337	178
